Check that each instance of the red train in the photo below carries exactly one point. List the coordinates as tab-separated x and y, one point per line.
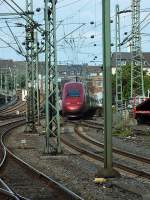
142	112
75	100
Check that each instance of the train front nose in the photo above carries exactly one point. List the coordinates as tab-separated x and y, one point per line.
73	107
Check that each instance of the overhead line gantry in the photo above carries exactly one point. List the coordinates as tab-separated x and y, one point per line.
51	79
31	68
118	63
137	82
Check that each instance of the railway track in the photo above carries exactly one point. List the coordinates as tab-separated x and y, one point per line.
91	124
10	104
115	150
10	112
22	181
16	107
100	126
97	157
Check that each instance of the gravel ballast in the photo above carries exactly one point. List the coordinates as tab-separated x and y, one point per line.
72	169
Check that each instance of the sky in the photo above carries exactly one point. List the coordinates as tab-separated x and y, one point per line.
79	29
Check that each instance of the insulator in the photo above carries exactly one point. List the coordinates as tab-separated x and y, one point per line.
38	9
91	22
51	1
92	36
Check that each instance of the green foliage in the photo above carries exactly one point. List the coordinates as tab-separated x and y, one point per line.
123	132
126	82
21	80
146	83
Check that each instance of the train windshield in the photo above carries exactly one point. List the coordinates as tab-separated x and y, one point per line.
73	93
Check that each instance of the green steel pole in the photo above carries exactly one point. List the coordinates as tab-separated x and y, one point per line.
108	167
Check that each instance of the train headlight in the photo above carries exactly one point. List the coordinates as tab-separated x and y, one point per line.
68	103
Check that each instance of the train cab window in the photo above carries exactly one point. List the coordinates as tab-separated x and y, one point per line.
73	93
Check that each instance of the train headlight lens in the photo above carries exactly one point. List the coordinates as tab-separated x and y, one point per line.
68	103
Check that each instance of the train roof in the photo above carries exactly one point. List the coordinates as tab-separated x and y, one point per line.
73	83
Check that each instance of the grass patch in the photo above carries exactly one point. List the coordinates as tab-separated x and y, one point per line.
122	132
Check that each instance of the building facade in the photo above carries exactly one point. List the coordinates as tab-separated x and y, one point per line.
126	59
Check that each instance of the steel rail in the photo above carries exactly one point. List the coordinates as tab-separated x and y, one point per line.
93	125
8	191
8	194
9	104
50	182
13	108
101	159
12	124
9	113
115	150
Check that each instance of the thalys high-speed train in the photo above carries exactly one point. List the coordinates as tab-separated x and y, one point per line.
76	100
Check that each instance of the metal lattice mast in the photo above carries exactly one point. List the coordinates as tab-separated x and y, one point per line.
1	74
51	84
137	82
118	63
6	87
37	77
30	58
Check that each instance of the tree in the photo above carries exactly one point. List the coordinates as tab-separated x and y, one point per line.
126	82
21	80
146	83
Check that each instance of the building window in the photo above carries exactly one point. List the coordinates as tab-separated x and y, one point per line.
145	63
121	62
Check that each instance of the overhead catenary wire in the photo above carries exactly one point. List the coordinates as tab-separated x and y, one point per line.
83	40
24	15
